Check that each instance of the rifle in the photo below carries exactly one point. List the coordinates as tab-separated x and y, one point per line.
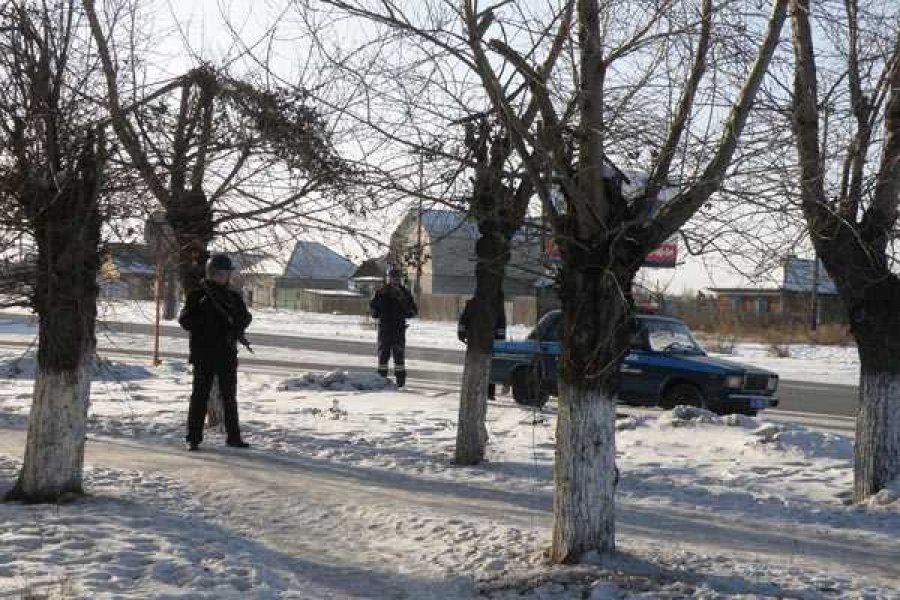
240	336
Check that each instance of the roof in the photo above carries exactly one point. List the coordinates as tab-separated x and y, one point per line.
257	263
313	260
373	268
453	223
800	272
442	223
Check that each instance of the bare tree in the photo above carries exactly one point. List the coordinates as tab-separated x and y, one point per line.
604	234
51	189
850	204
422	62
225	158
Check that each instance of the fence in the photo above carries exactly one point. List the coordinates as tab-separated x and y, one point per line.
318	301
432	307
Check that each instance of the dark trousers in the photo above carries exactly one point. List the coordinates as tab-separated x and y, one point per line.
204	373
392	343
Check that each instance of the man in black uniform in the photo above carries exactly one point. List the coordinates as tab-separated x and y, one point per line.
462	328
392	305
465	322
216	317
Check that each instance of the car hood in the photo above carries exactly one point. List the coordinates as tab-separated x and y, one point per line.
714	363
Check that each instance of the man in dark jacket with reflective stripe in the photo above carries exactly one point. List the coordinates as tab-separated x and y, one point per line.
216	317
392	305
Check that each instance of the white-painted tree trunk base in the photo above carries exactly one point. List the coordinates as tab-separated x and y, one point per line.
877	450
584	499
57	427
471	432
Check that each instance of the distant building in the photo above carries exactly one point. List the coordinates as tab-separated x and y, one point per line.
256	275
127	272
312	266
369	276
448	238
791	302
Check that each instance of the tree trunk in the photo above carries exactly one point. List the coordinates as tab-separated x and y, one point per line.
492	251
215	413
190	217
877	451
65	298
57	426
596	329
170	297
471	432
876	325
583	504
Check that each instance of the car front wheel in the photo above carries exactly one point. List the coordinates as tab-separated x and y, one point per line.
683	394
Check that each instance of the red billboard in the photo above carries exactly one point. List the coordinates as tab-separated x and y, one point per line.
664	257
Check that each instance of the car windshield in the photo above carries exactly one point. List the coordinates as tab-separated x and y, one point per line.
547	329
670	336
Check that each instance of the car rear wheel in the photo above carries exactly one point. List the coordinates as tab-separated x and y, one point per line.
527	389
683	394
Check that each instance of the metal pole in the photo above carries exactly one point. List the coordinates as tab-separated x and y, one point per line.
159	282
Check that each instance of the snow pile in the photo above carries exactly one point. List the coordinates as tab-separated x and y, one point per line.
343	381
889	497
692	416
630	422
795	438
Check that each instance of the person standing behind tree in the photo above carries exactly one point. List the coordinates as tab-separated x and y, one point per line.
465	320
216	317
392	305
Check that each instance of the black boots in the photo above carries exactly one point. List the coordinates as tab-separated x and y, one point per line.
401	378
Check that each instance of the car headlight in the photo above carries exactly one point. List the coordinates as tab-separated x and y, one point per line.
734	382
773	383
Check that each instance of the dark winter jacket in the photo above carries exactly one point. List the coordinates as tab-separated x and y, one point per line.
465	321
392	305
215	316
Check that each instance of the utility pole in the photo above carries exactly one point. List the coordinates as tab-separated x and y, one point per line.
420	253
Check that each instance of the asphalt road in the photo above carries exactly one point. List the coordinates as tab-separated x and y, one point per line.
795	396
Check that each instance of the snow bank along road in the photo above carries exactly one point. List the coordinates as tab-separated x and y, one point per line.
803	397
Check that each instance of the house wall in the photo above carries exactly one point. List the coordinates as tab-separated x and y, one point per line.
449	268
258	290
785	308
311	284
128	287
310	301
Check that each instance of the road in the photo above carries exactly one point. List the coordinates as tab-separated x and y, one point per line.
795	396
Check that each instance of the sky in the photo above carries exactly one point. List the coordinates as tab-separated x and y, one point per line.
186	31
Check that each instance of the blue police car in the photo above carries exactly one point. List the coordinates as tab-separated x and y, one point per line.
665	367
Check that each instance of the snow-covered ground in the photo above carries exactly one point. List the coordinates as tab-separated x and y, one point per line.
350	493
837	365
817	364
